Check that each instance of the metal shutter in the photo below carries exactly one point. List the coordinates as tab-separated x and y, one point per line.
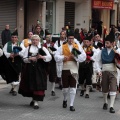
70	13
8	11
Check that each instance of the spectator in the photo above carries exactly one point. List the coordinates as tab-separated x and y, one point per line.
99	28
77	35
6	35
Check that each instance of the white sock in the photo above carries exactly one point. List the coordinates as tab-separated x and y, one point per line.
105	97
53	86
72	97
65	93
82	87
15	88
112	100
35	103
87	89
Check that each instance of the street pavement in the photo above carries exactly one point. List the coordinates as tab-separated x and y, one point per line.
17	107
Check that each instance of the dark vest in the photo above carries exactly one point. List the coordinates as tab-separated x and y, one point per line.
106	59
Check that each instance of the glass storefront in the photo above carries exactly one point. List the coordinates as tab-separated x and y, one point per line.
50	16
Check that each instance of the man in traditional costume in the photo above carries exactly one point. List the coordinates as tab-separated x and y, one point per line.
51	66
86	67
34	78
59	65
13	62
70	53
108	72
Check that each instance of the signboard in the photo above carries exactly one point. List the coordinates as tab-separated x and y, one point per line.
102	4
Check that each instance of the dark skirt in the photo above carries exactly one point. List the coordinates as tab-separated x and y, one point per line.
33	81
10	68
52	71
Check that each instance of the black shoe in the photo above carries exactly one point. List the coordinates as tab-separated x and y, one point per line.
14	93
82	93
64	104
32	103
11	91
36	107
112	110
72	108
105	106
86	96
53	93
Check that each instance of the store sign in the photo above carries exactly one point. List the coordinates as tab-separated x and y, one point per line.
102	4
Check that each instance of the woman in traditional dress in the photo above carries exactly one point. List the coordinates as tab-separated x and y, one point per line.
34	78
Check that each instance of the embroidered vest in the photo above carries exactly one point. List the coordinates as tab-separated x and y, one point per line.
66	50
9	46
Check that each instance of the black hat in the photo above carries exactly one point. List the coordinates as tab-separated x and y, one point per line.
110	38
14	34
70	33
88	37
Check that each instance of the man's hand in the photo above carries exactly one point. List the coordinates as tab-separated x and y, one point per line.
68	58
12	55
16	54
65	58
100	74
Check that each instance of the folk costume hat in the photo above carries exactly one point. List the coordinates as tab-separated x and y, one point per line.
14	34
71	33
88	37
110	38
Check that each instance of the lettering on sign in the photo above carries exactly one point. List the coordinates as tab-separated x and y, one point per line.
102	4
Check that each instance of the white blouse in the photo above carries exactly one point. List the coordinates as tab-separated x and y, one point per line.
34	51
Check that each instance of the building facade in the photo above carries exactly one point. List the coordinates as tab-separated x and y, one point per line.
55	14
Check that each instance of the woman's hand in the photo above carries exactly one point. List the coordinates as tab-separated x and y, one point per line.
34	59
41	57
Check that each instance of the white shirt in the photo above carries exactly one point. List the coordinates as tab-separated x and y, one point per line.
59	57
8	54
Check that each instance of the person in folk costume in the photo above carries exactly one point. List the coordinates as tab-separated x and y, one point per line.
59	65
98	45
39	31
26	42
6	34
109	81
34	78
1	52
13	58
118	70
52	64
97	40
98	78
1	63
86	67
70	53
